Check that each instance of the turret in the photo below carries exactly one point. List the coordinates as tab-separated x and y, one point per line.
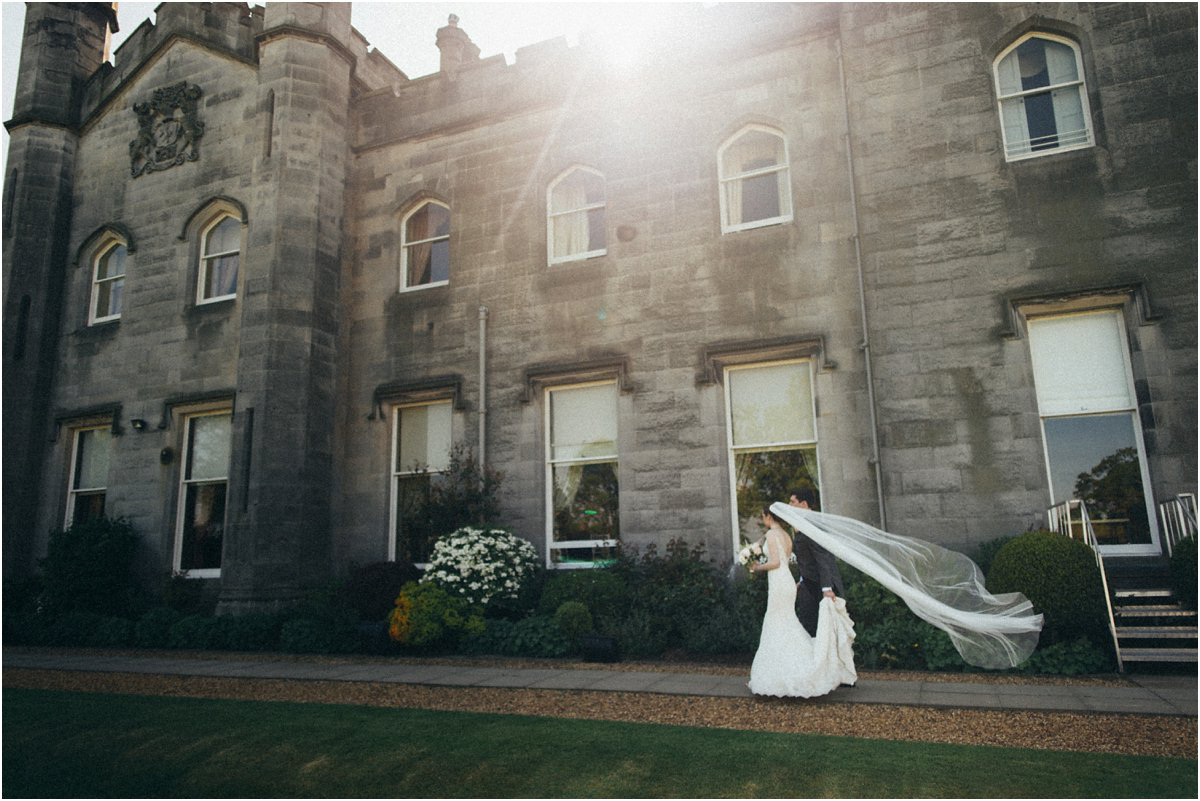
63	45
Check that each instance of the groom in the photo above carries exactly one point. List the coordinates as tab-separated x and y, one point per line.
819	575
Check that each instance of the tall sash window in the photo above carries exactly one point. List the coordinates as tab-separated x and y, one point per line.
1042	97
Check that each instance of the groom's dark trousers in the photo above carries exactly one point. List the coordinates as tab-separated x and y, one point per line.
817	569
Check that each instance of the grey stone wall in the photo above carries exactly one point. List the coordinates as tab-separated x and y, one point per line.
325	145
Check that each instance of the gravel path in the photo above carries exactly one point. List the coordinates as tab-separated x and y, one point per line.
1103	733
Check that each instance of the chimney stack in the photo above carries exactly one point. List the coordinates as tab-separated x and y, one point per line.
456	47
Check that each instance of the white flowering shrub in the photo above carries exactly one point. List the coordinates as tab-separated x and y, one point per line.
482	565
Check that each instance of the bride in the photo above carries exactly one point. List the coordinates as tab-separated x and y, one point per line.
789	661
940	586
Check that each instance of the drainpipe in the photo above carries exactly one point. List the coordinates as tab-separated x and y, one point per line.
483	316
865	345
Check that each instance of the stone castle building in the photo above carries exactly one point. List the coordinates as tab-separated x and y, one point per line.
935	261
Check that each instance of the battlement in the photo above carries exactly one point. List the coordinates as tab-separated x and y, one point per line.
543	74
231	27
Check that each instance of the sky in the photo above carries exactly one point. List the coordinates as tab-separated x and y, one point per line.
406	32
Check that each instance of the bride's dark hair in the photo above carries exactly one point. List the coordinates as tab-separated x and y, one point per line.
767	511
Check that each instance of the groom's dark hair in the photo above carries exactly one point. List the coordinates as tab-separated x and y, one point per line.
809	495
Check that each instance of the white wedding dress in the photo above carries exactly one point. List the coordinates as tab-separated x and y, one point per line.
790	662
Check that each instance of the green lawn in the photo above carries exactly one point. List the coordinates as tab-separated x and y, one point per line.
82	744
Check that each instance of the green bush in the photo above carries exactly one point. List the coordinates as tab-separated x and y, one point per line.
195	633
251	632
536	636
153	628
89	567
602	591
986	552
1079	656
573	620
642	634
1183	572
371	590
189	596
1060	577
888	634
426	616
112	632
313	636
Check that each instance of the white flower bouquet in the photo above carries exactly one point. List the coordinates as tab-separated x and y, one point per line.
751	553
481	565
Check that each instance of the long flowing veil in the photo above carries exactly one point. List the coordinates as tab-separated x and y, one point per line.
939	585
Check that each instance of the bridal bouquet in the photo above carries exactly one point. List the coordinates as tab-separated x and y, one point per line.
751	553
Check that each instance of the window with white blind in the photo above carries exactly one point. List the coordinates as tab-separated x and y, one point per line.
755	189
203	486
1042	96
582	490
575	216
772	438
87	485
421	443
1091	434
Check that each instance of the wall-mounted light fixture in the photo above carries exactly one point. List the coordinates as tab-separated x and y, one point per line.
138	424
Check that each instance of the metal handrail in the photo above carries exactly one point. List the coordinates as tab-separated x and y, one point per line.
1063	519
1178	517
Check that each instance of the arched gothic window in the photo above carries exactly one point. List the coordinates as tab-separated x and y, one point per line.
108	281
755	186
425	246
220	253
575	216
1042	97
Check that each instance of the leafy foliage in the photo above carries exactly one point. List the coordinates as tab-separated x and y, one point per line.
89	567
986	552
370	590
1183	572
153	628
465	494
425	615
1060	577
1072	658
603	592
307	635
573	619
537	636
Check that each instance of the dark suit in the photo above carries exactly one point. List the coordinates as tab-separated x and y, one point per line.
817	568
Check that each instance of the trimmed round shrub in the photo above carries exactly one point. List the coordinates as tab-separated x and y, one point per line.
371	590
604	593
425	615
195	633
573	619
252	632
307	635
1060	577
482	566
1183	572
112	632
153	628
89	567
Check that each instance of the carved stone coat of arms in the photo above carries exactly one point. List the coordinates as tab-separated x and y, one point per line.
168	129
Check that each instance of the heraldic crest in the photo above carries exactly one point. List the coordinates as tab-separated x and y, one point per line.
168	130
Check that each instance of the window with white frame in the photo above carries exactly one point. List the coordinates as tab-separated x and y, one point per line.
108	282
203	486
421	442
220	252
771	436
425	246
87	484
582	491
755	188
1093	441
1042	96
575	216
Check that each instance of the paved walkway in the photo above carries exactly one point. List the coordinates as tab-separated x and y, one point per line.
1151	695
